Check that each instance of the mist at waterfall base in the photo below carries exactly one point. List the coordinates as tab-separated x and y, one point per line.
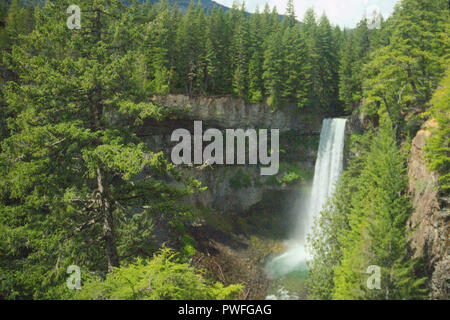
328	168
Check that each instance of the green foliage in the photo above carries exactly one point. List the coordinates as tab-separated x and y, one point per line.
437	147
354	54
240	51
291	173
289	178
255	68
296	84
325	245
366	225
378	229
272	74
241	180
160	278
401	77
327	91
391	73
188	244
254	57
77	184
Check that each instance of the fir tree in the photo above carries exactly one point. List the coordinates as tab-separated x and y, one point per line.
437	147
377	234
272	75
402	76
296	84
240	54
327	68
73	154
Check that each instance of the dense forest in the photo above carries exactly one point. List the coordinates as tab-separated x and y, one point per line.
73	100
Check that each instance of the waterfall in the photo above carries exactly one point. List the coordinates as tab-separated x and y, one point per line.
328	168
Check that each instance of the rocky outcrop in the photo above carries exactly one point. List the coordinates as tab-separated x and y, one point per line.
235	189
231	189
358	123
430	219
229	112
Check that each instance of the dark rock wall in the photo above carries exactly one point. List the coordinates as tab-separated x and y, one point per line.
430	220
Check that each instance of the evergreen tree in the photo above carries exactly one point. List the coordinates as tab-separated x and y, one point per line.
325	241
266	24
325	245
240	54
273	72
402	76
295	85
68	168
362	39
170	279
290	13
327	68
309	33
18	21
190	46
14	21
222	44
159	48
366	225
79	185
377	234
153	58
354	54
348	85
437	147
255	70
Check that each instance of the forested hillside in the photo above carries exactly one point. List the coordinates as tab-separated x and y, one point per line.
252	57
398	82
80	186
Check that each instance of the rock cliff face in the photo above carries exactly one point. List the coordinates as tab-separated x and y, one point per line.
228	112
238	198
235	189
430	220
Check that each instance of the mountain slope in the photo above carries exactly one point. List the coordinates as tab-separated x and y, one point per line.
184	4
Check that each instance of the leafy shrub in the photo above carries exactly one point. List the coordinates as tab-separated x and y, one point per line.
160	278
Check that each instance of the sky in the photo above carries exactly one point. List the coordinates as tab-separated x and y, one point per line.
345	13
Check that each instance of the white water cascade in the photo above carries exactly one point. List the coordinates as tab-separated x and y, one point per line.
329	165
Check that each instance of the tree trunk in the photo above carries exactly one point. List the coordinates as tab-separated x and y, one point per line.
108	225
